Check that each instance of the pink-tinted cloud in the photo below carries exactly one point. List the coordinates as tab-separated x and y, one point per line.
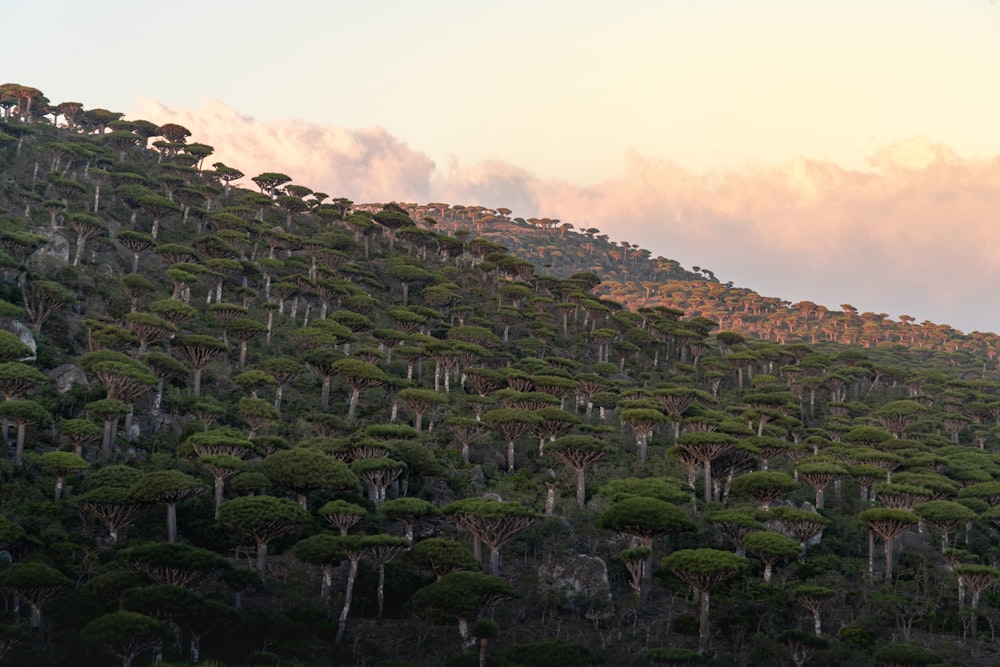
364	165
914	233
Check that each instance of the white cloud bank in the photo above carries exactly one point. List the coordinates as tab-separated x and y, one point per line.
914	234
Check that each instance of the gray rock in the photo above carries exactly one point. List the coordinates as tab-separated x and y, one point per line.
58	247
66	376
24	333
580	582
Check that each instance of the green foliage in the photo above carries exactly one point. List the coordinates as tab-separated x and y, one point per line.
262	517
675	656
460	593
661	488
703	569
125	633
440	556
302	470
166	486
179	564
645	518
29	576
904	653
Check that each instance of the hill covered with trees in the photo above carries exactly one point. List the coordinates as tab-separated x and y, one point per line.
632	277
263	425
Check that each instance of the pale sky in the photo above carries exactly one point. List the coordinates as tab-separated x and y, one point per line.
841	152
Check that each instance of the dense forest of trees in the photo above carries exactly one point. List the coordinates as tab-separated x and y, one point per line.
248	423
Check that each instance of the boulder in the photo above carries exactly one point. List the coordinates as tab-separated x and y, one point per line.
66	376
22	331
58	248
579	582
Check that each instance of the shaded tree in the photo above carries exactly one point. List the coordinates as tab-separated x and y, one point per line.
302	470
359	376
706	447
21	413
493	522
61	465
125	634
462	595
703	570
113	506
263	519
887	524
579	452
197	351
35	583
174	564
770	547
813	598
407	511
167	487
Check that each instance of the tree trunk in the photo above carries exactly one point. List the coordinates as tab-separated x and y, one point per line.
888	560
381	590
974	615
581	487
495	561
354	404
19	446
327	586
154	410
79	251
172	523
195	648
109	436
352	575
220	490
324	397
262	559
477	548
871	556
708	481
704	631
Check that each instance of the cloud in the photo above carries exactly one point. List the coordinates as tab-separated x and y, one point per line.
364	165
913	233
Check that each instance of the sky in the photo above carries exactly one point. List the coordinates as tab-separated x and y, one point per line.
840	152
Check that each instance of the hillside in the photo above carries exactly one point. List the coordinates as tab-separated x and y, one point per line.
632	277
263	425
